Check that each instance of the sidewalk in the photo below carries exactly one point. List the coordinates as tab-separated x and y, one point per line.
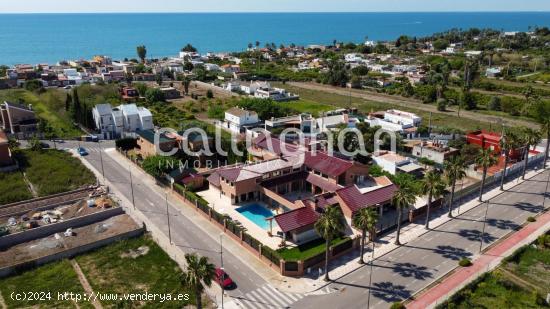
409	232
484	263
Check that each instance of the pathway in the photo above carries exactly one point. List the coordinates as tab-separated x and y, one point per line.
85	284
486	262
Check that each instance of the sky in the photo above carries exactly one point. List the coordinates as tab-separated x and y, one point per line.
83	6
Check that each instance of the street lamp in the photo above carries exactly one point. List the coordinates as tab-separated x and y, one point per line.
483	229
132	186
221	262
168	217
101	159
370	275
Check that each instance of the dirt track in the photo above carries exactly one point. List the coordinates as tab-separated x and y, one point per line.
409	102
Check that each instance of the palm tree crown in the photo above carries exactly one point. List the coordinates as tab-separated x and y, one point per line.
199	271
329	224
486	158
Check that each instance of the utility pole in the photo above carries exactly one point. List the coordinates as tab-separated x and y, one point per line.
483	229
370	275
132	186
101	158
221	262
430	125
168	218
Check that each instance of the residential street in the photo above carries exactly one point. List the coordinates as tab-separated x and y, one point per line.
396	276
410	268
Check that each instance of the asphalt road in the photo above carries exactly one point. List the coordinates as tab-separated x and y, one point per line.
396	275
185	233
410	268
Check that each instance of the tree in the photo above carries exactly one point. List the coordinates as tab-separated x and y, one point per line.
186	83
495	103
209	94
189	48
542	115
200	272
365	220
485	159
403	198
455	169
432	185
442	105
329	225
153	95
141	52
34	144
68	101
158	165
508	143
530	138
13	144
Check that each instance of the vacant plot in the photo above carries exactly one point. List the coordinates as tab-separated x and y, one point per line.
306	106
447	120
54	171
50	279
522	281
13	188
134	266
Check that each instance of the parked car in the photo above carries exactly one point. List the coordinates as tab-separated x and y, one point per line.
82	152
223	279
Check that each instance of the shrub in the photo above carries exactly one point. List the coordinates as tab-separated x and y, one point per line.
397	305
154	95
209	94
531	219
126	143
465	262
441	105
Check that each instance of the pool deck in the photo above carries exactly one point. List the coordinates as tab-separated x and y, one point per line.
222	204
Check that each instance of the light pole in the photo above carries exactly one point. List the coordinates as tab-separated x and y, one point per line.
221	262
101	159
483	229
132	186
168	218
370	275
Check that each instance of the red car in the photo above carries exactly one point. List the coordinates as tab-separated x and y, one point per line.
223	279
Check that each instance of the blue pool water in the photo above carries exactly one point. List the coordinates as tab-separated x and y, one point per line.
257	214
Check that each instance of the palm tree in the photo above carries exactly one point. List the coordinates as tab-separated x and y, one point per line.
365	220
199	272
142	52
531	138
432	185
455	169
485	159
403	198
329	225
508	143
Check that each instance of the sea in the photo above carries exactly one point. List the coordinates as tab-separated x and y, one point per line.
49	38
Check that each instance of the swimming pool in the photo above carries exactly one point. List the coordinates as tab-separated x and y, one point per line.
257	214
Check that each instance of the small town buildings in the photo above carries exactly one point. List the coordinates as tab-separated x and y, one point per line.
434	150
112	122
395	121
490	140
493	72
237	118
394	163
17	118
129	94
170	93
146	143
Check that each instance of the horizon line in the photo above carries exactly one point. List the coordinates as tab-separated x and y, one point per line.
269	12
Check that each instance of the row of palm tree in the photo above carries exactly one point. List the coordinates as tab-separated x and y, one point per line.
200	273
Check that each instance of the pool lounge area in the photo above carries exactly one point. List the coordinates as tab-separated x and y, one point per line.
257	214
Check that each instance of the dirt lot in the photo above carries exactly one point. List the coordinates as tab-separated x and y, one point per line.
81	236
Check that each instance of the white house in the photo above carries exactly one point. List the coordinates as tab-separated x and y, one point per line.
236	118
212	67
104	120
111	122
353	57
394	163
401	117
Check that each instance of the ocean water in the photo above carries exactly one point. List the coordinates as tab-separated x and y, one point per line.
35	38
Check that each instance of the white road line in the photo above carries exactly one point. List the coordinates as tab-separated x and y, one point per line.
256	299
278	296
270	298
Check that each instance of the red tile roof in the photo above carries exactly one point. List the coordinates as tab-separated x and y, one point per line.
322	162
355	200
322	183
214	179
297	218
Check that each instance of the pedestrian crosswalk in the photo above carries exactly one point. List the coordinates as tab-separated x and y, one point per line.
264	298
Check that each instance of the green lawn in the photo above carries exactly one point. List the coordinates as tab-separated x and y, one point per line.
448	120
13	188
49	106
53	171
109	272
307	250
306	106
50	278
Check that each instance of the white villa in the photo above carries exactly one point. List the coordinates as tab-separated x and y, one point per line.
112	122
236	118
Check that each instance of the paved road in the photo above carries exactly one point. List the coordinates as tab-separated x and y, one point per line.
408	102
412	267
185	232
